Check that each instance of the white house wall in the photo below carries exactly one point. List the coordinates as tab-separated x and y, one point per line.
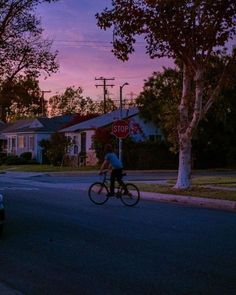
90	152
141	130
36	150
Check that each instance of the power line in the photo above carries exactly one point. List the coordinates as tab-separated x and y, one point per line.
91	41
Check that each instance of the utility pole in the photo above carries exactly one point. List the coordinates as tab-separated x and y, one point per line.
104	85
43	101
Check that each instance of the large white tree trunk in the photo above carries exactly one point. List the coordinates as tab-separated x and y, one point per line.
184	170
188	123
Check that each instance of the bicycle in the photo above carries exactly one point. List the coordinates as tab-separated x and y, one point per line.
128	193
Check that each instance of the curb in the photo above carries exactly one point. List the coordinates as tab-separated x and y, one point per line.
183	200
194	201
6	290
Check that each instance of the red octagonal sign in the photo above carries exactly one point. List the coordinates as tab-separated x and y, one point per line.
120	128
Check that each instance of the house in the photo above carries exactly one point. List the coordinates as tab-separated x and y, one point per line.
24	135
81	134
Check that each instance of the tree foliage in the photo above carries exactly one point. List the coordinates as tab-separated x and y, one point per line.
72	101
55	148
22	48
20	98
101	137
170	28
158	102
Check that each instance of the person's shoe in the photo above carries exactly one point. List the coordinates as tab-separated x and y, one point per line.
110	195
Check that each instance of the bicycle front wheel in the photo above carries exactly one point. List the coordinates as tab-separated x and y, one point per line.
98	193
130	195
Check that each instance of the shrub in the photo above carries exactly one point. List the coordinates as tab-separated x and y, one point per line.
55	148
2	158
148	155
14	160
26	156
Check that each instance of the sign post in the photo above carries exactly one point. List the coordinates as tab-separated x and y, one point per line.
120	129
121	116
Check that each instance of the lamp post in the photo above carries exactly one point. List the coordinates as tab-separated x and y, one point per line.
121	116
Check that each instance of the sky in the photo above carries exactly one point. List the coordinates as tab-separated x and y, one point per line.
85	52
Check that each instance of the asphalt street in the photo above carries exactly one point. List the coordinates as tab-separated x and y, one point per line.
57	242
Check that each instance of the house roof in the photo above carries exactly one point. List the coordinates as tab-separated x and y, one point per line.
38	125
12	126
102	120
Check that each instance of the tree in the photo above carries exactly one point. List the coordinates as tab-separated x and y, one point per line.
70	102
55	149
101	137
110	106
21	98
22	48
214	141
158	102
23	51
189	31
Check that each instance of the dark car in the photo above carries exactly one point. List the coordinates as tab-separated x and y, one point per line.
2	214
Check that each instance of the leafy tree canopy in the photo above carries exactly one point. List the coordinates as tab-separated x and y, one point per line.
187	30
72	101
20	98
22	48
55	148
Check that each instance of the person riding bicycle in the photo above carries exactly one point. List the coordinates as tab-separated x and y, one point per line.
112	161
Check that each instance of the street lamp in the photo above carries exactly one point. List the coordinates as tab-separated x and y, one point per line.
121	116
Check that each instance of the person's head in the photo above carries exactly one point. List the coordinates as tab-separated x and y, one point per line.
108	148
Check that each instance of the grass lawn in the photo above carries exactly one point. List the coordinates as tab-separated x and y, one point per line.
44	168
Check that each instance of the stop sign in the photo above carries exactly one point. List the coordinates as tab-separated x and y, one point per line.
120	128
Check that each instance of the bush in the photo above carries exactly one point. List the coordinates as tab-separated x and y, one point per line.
14	160
2	158
148	155
26	156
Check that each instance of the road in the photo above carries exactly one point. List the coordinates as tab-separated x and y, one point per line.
57	242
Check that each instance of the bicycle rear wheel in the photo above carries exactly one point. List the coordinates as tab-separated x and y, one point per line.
98	193
130	195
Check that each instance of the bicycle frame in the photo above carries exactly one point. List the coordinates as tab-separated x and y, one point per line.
106	181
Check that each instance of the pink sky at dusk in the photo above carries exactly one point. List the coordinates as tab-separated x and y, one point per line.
85	51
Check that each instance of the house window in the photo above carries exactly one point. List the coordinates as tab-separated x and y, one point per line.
31	143
21	142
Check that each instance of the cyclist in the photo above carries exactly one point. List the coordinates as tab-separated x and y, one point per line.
111	161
